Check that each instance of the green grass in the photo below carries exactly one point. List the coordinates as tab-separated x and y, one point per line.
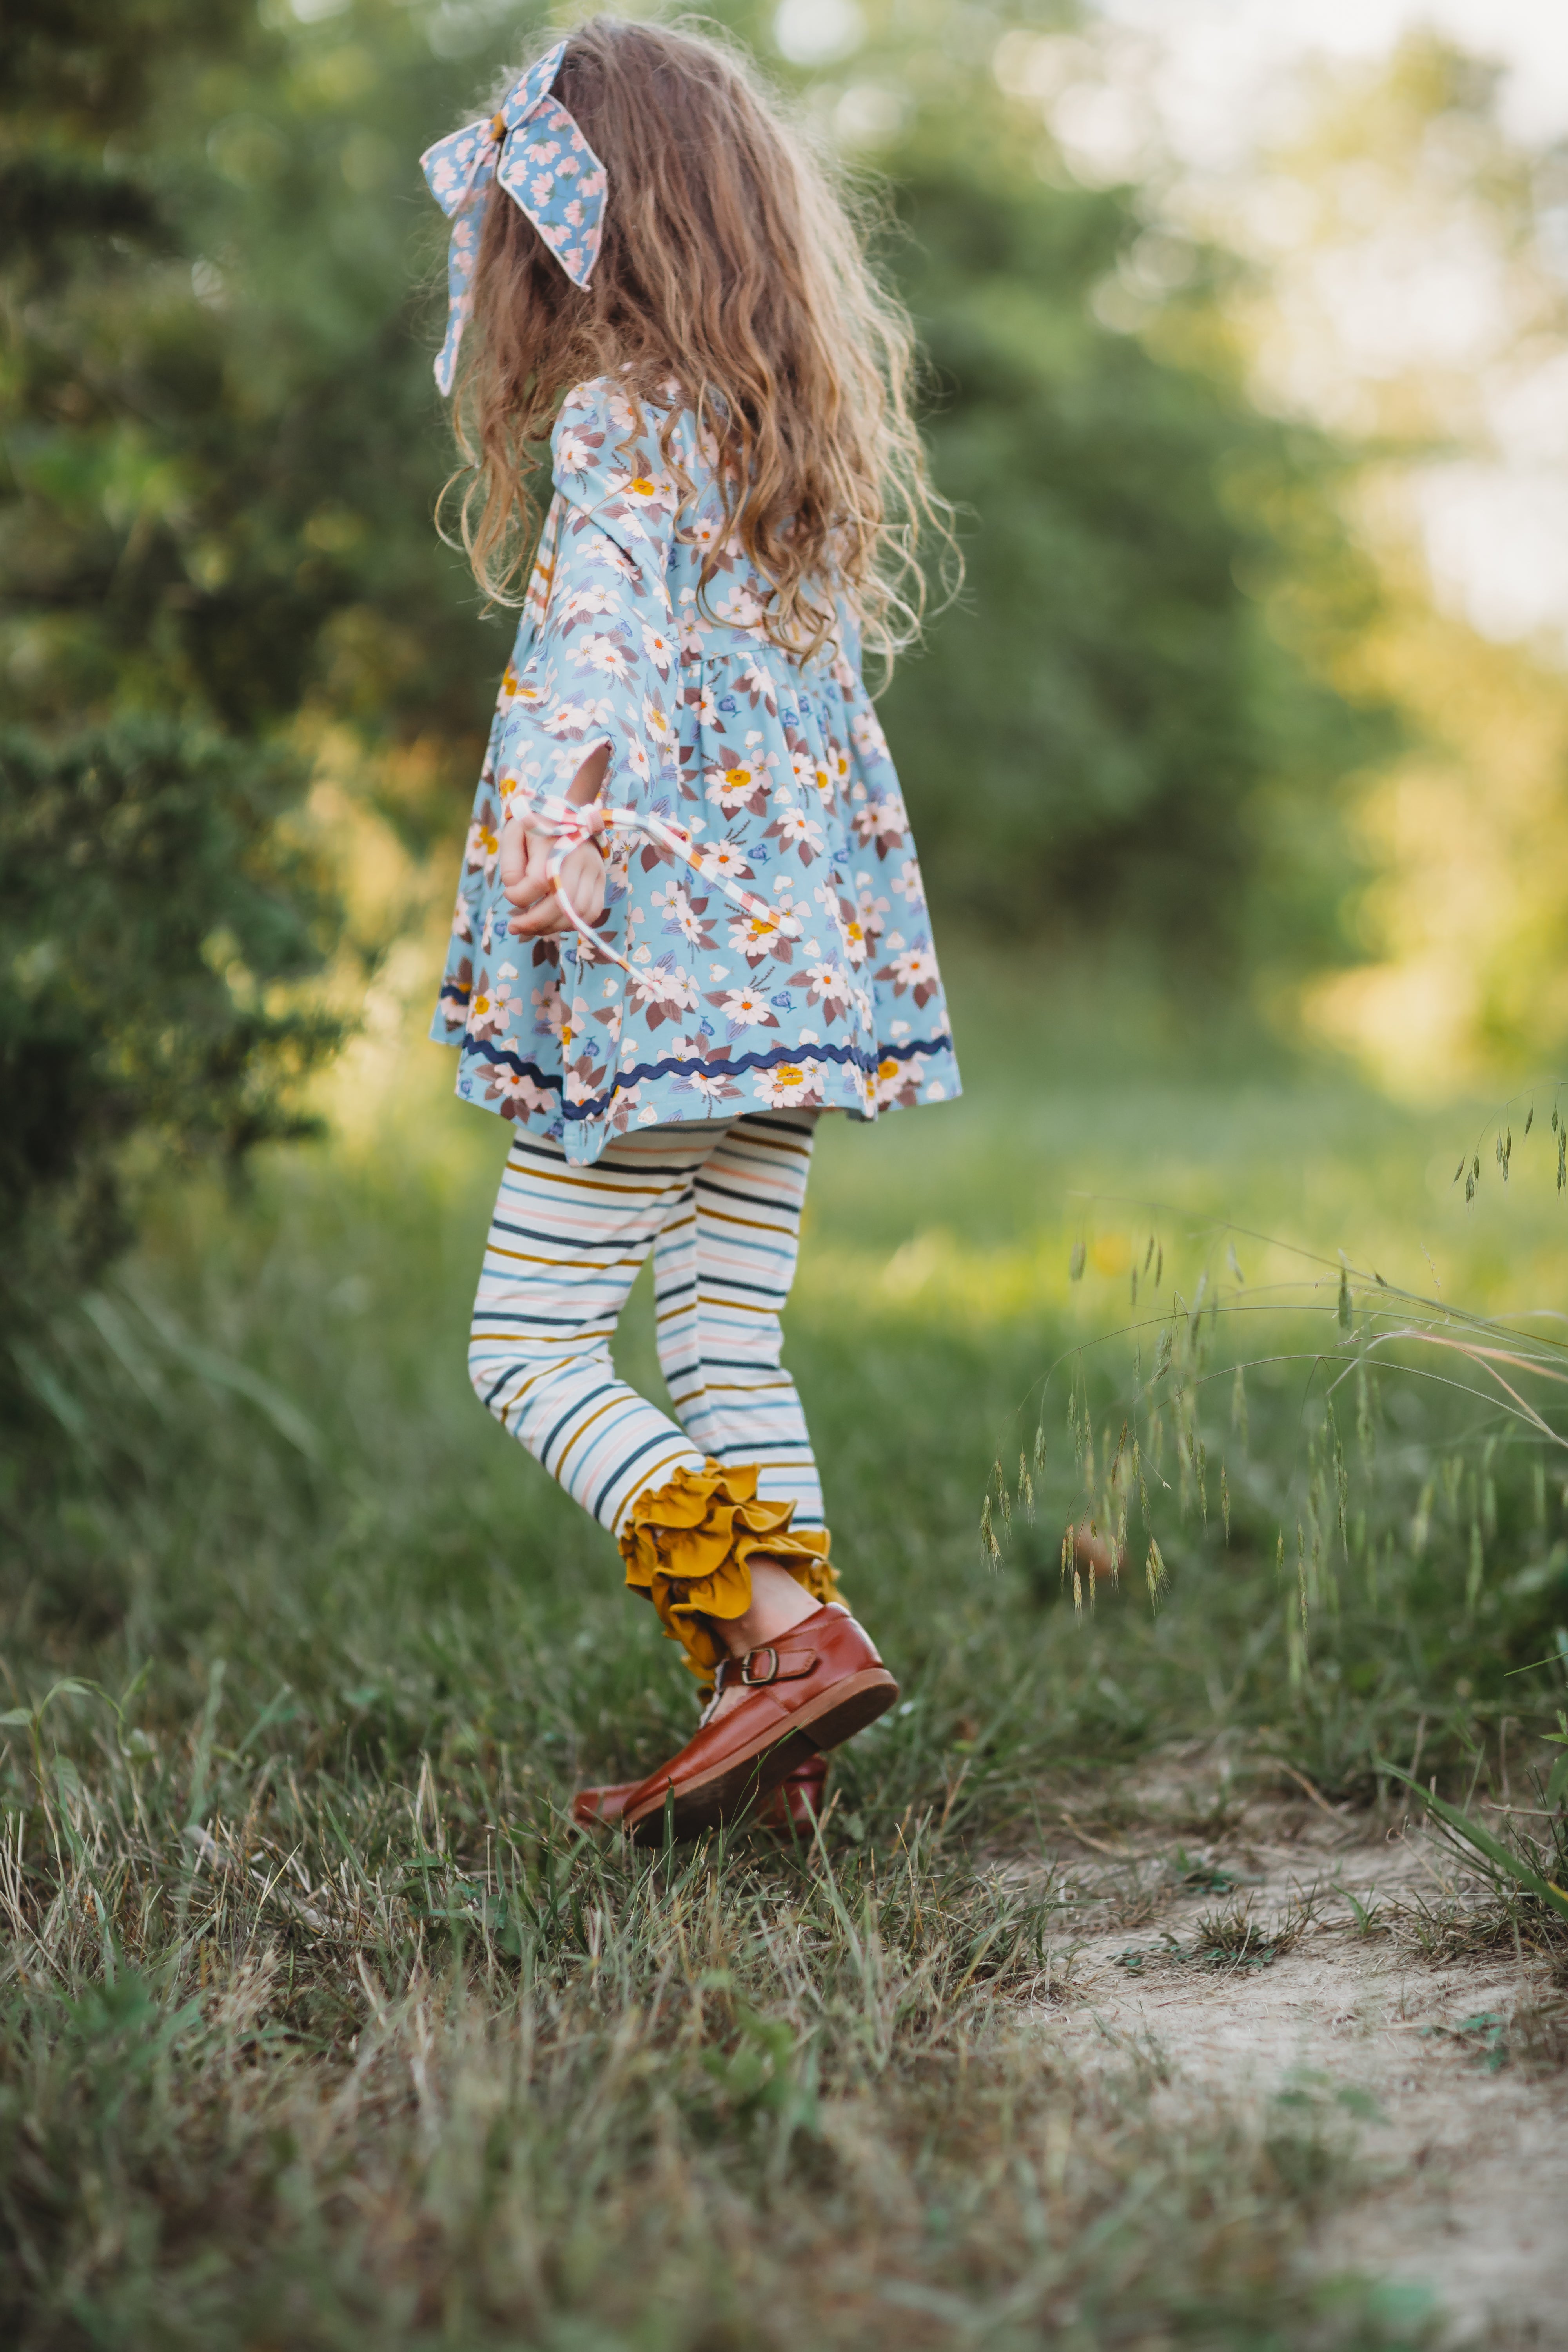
321	2027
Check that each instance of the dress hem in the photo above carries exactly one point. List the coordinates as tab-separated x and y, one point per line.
538	1102
719	1065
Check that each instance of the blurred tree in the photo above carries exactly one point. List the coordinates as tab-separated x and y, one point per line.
220	453
150	904
1120	727
1403	175
224	442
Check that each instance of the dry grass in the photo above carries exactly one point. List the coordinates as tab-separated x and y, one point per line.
336	2070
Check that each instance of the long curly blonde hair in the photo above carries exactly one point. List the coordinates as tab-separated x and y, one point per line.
731	264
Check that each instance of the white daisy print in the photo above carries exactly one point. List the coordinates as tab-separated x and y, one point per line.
604	653
866	733
674	990
660	649
827	985
711	1086
593	598
722	859
788	1083
803	832
755	936
915	970
749	1009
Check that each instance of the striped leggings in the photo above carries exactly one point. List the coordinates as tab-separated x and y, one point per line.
719	1204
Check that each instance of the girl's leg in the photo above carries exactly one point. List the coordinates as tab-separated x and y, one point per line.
563	1249
716	1551
723	1265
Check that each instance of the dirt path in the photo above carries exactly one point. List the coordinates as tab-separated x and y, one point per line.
1412	2030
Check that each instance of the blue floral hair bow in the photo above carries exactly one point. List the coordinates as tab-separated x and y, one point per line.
540	157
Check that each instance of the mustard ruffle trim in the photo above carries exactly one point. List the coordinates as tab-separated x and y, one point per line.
687	1546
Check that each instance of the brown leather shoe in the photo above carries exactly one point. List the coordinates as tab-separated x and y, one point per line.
793	1805
814	1687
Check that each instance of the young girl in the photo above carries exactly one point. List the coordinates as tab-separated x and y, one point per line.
690	918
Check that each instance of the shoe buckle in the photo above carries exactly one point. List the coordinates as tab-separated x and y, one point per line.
757	1682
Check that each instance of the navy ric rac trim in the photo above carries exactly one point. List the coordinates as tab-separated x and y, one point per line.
722	1066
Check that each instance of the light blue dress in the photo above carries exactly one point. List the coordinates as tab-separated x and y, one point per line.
777	768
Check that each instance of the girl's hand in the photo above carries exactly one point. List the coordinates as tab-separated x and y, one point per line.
525	879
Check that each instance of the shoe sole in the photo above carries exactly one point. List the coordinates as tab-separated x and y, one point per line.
845	1708
797	1812
597	1817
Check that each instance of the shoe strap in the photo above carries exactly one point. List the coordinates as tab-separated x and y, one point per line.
769	1662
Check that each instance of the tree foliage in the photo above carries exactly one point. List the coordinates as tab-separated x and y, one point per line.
150	908
219	457
1113	727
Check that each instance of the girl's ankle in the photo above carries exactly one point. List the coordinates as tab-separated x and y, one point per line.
779	1603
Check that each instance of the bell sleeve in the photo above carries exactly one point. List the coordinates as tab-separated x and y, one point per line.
602	667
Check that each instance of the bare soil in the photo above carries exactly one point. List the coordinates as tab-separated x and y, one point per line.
1420	2038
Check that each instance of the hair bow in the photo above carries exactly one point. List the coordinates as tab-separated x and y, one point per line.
534	148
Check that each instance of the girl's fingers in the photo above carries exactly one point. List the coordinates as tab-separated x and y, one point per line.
584	878
525	859
532	881
584	875
534	922
514	854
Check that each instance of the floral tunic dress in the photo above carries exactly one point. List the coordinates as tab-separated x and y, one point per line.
776	770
